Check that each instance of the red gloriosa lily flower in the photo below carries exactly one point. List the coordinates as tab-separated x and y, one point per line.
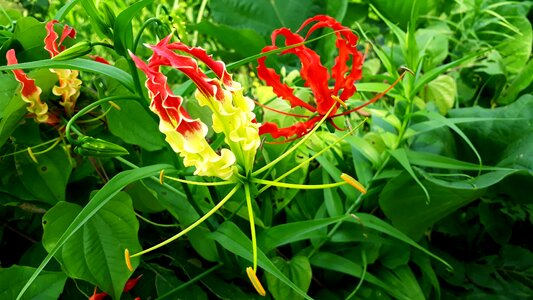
130	284
31	93
315	75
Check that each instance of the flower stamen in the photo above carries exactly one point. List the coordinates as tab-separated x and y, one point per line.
127	257
255	281
351	181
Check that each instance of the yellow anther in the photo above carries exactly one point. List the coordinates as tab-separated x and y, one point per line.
255	281
128	261
30	153
339	101
114	105
351	181
161	176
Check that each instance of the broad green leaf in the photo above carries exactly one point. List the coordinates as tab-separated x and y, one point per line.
134	125
402	202
497	224
12	108
283	234
78	64
330	261
298	270
519	154
112	187
375	223
232	39
442	91
403	280
29	33
96	252
517	51
401	156
47	286
144	199
262	16
229	236
166	283
46	180
491	138
519	83
400	11
123	32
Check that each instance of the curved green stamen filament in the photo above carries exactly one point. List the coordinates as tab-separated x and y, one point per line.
218	183
288	152
313	157
298	186
193	225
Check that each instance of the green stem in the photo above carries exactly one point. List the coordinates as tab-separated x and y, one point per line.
154	223
252	224
199	17
85	110
193	225
141	30
136	81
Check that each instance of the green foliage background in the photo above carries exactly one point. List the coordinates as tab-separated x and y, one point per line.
446	156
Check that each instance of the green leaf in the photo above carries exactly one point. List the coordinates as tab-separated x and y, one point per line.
330	261
298	270
134	125
78	64
112	187
442	91
123	33
283	234
519	83
46	180
12	108
262	16
373	222
517	50
48	285
229	236
96	252
29	33
401	156
402	279
402	202
231	38
493	137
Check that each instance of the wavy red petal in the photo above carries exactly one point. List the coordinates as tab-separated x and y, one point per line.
299	129
28	84
168	106
164	56
218	67
50	44
316	76
273	80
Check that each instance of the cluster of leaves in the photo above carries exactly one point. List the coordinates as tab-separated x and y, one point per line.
446	157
